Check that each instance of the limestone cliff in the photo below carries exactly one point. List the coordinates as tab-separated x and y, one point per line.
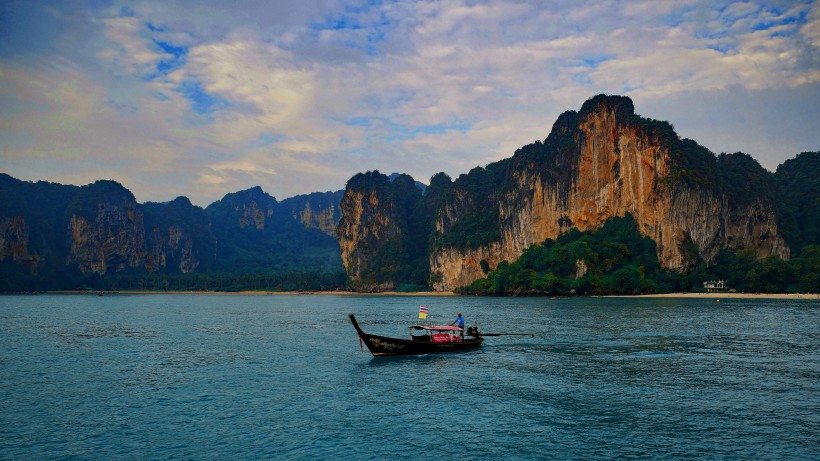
251	208
106	229
172	248
52	235
324	220
604	162
179	237
378	234
319	210
14	243
254	233
601	162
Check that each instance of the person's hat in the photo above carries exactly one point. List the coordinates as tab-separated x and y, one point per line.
459	313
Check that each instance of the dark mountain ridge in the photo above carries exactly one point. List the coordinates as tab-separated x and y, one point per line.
52	235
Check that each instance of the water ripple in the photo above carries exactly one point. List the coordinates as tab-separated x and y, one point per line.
279	377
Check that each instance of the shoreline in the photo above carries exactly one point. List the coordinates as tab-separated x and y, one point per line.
801	296
815	296
245	293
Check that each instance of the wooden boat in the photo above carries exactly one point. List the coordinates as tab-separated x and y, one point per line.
423	339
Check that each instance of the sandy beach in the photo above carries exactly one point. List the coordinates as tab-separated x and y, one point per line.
728	296
254	292
801	296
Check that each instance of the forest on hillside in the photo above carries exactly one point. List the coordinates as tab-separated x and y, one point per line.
616	260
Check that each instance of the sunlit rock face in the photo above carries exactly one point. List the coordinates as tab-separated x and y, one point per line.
319	210
381	232
367	222
601	163
324	220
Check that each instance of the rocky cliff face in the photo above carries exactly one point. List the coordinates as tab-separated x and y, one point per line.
368	223
113	238
320	210
98	229
173	249
14	243
324	220
623	168
456	267
165	248
251	208
598	163
379	231
179	237
52	234
254	232
609	165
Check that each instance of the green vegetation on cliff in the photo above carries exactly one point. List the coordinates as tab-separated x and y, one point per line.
473	197
181	233
799	182
748	274
43	206
616	259
88	200
255	234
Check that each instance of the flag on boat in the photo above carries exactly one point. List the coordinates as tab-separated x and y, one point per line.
423	312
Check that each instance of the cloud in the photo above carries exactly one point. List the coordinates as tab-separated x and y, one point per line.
740	119
177	98
72	130
811	30
127	47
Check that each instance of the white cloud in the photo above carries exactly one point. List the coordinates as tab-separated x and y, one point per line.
247	72
304	94
811	29
130	51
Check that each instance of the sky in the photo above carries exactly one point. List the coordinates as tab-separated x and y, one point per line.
203	98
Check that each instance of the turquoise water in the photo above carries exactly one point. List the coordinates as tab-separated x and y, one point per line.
283	377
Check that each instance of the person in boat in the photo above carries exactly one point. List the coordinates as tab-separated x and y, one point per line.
459	321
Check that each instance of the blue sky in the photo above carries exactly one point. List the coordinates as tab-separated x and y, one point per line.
209	97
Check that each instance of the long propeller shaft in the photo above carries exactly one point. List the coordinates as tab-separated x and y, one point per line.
507	334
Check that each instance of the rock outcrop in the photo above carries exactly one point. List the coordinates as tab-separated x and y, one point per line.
14	243
179	237
323	219
106	229
320	210
369	223
605	162
601	162
51	235
380	230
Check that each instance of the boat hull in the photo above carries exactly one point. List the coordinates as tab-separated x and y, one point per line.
384	345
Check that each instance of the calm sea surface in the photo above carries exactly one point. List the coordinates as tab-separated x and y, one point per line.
283	377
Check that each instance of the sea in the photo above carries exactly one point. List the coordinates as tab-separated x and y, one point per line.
217	377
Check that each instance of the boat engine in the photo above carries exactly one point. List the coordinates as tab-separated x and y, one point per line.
472	331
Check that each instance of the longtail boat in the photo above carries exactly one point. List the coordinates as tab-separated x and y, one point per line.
423	339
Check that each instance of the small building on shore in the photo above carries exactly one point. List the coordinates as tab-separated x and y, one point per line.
715	286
